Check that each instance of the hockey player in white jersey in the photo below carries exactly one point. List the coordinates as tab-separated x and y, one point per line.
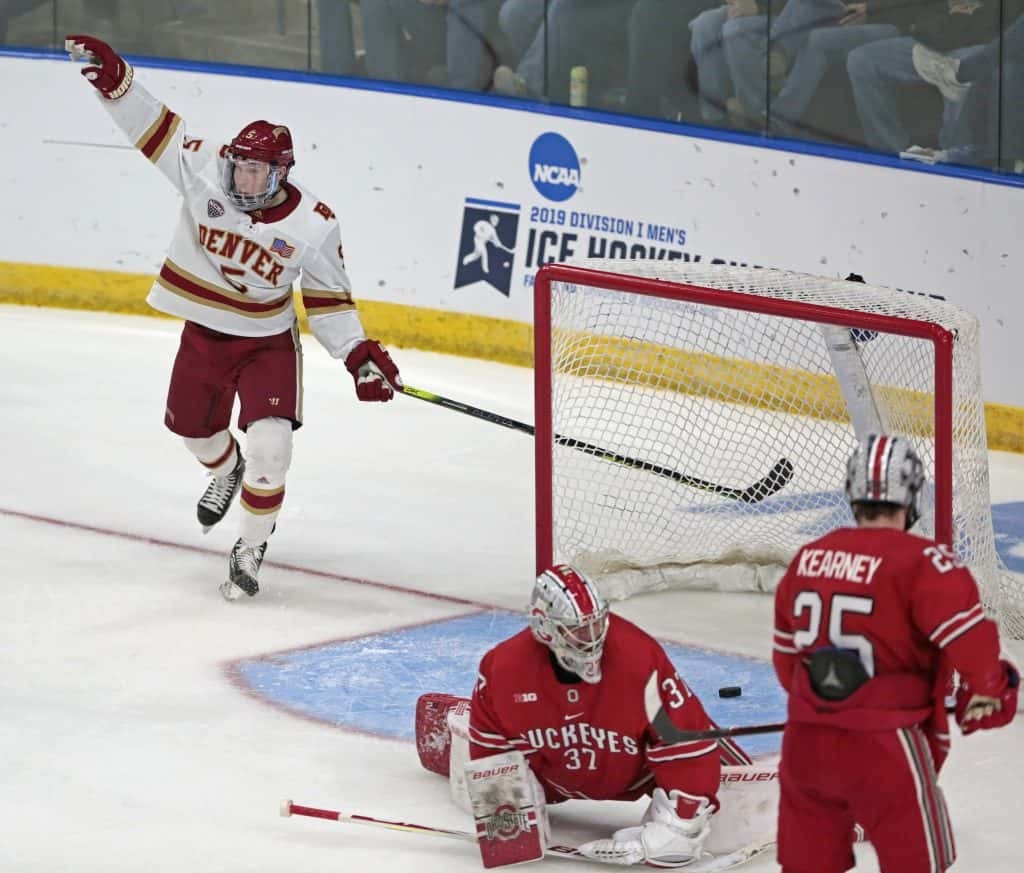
247	232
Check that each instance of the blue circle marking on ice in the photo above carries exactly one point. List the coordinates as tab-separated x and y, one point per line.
554	167
371	683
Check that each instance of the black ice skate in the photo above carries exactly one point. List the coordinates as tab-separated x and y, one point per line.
243	570
216	500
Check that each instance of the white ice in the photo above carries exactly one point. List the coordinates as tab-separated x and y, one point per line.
124	747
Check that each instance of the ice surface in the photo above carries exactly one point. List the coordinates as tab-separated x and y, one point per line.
124	743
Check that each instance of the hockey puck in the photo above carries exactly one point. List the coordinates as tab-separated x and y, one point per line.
730	691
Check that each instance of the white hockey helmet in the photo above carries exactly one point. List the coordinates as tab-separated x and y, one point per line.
886	469
569	615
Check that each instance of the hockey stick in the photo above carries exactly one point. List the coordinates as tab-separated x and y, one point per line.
666	730
777	479
669	733
289	809
704	865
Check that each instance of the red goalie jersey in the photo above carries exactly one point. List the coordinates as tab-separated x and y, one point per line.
587	740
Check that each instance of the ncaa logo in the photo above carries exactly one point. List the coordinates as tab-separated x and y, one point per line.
554	167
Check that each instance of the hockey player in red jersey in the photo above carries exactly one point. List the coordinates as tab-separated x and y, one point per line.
247	231
870	621
574	693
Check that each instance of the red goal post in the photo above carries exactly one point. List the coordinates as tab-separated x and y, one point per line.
704	376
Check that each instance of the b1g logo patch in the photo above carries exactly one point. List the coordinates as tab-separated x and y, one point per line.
214	208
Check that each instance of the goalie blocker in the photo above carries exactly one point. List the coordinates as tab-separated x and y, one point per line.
509	813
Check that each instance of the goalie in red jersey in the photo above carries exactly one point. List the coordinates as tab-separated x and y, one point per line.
575	694
870	621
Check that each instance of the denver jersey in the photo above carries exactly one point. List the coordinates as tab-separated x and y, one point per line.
233	271
592	741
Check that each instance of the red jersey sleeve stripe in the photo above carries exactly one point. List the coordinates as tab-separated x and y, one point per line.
687	745
474	731
501	747
957	626
660	756
326	294
324	306
152	145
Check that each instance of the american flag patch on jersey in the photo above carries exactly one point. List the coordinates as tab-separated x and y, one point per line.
280	247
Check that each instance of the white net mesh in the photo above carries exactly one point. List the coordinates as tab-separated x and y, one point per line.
720	396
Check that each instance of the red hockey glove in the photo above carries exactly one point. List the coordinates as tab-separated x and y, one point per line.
108	72
990	705
375	373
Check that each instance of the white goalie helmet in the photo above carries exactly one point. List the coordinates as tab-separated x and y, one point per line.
886	469
569	616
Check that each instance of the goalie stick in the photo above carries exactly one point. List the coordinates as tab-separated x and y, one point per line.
669	733
776	479
716	864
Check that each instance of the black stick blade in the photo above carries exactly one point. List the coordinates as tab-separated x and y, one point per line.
777	479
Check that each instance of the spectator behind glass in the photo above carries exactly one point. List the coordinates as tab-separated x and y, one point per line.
475	44
590	33
817	35
973	84
405	40
881	71
661	77
334	29
728	44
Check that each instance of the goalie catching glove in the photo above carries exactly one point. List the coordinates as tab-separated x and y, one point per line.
108	72
664	839
375	374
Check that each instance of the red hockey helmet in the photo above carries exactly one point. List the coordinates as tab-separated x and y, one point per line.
258	143
264	141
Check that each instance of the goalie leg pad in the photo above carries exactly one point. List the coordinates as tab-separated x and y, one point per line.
748	798
433	737
509	815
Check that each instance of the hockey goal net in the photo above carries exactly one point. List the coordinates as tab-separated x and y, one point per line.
694	422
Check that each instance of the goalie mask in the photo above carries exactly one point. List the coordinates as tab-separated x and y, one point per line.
569	616
256	164
886	469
